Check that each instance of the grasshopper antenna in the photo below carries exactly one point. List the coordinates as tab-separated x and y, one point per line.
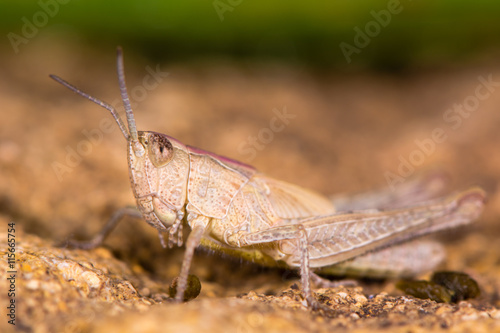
138	148
105	105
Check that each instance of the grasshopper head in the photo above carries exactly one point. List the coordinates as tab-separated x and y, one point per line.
149	158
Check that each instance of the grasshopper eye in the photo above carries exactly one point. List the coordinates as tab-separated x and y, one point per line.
160	149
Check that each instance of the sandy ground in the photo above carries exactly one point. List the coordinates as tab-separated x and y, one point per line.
345	132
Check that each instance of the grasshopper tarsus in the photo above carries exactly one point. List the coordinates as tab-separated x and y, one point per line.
322	282
321	308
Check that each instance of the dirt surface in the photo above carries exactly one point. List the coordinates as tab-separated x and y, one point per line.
344	134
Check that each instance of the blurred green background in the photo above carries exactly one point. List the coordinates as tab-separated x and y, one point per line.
306	32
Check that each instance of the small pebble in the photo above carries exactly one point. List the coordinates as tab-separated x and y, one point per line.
192	291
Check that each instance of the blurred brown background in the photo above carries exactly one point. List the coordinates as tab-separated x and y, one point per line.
220	83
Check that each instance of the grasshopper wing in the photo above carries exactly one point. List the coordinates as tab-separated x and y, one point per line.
420	188
292	202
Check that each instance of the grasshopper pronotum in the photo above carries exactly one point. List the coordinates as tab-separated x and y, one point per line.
232	207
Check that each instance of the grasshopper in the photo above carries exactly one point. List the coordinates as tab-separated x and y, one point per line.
232	207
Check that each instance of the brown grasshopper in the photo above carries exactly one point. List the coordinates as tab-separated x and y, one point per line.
230	206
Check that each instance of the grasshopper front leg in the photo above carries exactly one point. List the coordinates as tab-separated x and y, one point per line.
198	227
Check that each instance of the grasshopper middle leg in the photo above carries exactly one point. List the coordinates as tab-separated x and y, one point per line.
291	232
